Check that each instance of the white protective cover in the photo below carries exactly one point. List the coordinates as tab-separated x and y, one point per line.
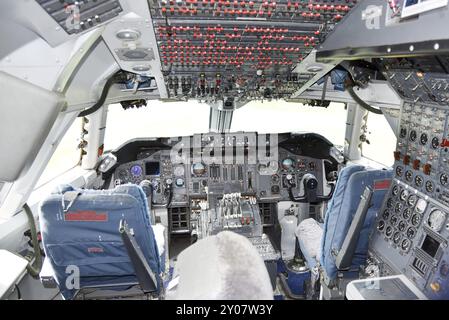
310	233
224	267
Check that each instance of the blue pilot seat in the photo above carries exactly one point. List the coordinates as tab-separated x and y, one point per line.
80	235
321	243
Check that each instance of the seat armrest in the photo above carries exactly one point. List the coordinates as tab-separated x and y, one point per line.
147	279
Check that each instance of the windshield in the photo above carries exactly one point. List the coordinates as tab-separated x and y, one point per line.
173	119
158	119
279	117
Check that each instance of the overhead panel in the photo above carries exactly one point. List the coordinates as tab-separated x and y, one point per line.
244	49
78	16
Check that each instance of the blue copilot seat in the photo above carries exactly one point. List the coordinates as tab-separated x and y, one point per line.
320	244
80	232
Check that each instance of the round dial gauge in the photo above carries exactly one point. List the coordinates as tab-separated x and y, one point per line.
403	133
404	195
444	179
398	207
198	169
179	182
436	220
419	181
416	220
421	206
123	174
386	214
435	142
399	171
402	225
381	225
390	203
179	171
412	200
423	139
395	190
405	245
411	233
389	231
429	186
408	175
136	170
394	220
397	237
287	164
407	214
413	135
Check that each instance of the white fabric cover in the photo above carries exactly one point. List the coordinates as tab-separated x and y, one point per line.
225	267
310	233
159	230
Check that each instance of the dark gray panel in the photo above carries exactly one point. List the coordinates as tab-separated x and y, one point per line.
362	34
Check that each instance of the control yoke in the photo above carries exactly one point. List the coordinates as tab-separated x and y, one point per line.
310	191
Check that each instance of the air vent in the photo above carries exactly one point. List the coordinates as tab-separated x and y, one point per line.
138	54
78	16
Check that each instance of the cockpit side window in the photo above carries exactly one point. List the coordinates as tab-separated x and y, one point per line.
381	140
67	154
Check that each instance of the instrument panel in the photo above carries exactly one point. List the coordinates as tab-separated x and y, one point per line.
266	180
412	232
184	180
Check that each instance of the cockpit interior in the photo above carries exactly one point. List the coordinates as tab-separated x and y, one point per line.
224	150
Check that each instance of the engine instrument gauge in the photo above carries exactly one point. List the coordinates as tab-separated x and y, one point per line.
399	171
419	181
395	190
444	179
408	175
429	186
404	195
423	139
405	245
435	142
407	214
411	201
416	220
413	135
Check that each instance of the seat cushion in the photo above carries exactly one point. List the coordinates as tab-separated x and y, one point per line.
309	234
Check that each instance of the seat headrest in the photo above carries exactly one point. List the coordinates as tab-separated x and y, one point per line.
224	267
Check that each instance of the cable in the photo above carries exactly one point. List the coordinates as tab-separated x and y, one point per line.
33	268
19	294
362	103
102	99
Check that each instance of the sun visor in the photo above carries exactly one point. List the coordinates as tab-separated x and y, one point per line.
27	113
